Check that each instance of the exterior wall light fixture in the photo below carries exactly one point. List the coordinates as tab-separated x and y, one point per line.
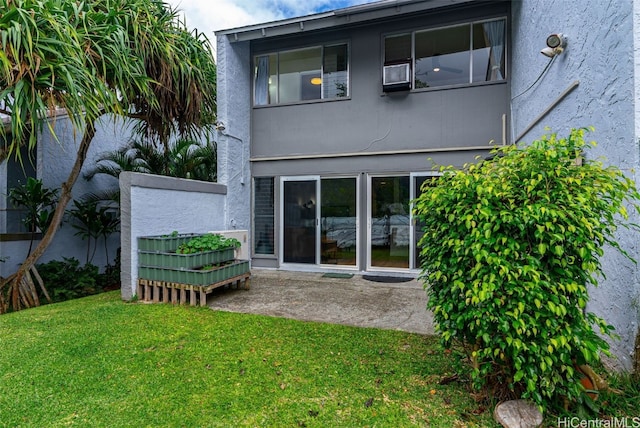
555	45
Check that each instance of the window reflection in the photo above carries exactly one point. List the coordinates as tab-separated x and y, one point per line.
460	54
313	73
389	232
338	221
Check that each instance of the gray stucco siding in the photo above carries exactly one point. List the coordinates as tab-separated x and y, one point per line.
370	120
602	46
446	118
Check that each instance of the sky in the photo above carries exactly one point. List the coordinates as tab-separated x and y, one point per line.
211	15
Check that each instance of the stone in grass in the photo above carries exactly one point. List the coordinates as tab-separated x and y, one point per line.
518	414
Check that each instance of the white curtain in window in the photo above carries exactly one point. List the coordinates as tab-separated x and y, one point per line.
494	32
261	84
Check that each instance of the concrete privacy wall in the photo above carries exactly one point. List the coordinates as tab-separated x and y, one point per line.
602	55
155	205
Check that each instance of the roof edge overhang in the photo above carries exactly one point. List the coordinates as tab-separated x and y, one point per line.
348	16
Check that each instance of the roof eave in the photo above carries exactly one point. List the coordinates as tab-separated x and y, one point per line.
351	15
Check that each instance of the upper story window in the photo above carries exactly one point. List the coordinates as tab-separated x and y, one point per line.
455	55
314	73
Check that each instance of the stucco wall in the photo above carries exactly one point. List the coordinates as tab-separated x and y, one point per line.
156	205
600	56
370	120
55	160
234	97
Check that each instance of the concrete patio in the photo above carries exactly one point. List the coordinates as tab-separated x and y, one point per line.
352	301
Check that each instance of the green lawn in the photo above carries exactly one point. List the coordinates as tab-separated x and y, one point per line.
99	362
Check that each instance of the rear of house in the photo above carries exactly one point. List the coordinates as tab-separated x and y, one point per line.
346	114
329	123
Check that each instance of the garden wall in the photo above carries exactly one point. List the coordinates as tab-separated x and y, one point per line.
157	205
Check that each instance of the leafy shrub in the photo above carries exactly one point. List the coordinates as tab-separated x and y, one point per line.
92	222
207	242
66	279
38	201
110	278
510	247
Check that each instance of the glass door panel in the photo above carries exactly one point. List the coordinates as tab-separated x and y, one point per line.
417	181
299	232
338	225
389	227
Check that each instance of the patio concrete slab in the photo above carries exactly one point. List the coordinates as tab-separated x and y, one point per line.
352	301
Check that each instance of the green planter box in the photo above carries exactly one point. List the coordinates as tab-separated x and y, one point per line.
184	261
164	243
192	276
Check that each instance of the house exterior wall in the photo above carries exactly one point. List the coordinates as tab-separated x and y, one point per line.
234	138
156	205
55	159
371	120
370	132
602	55
593	83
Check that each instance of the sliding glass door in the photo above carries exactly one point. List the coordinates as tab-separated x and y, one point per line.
388	222
339	221
319	220
300	220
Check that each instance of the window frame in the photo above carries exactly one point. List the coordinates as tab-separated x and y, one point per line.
273	214
470	24
323	47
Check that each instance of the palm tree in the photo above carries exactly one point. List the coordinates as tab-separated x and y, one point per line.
184	158
120	58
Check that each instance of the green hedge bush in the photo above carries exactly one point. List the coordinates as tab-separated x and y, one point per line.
511	245
66	279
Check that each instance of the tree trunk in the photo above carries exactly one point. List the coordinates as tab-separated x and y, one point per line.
15	284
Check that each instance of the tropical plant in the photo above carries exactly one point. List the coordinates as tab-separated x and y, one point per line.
38	201
183	158
93	222
116	58
190	159
511	246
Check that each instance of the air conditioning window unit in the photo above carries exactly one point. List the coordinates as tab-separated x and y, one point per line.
396	77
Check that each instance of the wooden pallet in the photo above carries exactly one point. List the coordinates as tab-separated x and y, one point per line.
176	293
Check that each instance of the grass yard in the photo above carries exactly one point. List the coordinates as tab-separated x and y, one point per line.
99	362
